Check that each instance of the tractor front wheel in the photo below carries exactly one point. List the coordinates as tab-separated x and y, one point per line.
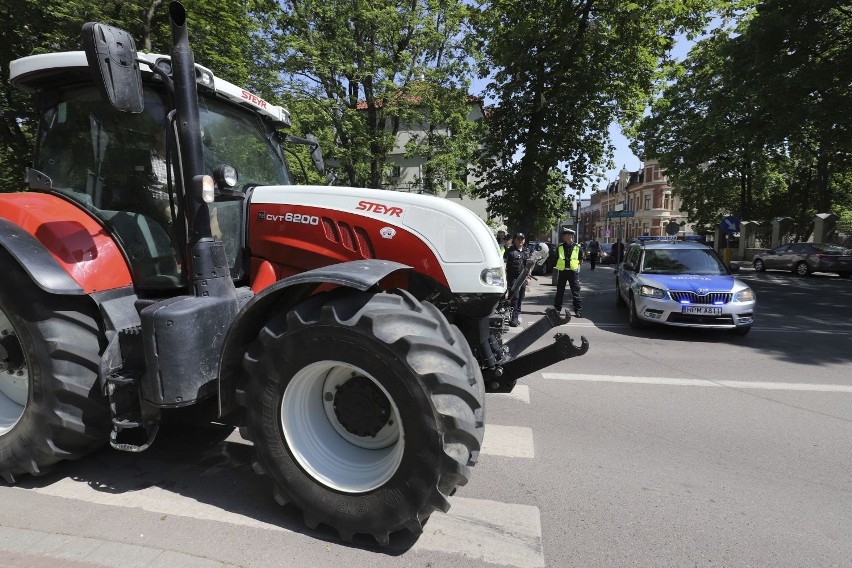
366	410
51	408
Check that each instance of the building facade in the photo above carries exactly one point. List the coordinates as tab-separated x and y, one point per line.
406	172
637	203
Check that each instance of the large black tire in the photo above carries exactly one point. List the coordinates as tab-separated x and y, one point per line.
51	408
366	410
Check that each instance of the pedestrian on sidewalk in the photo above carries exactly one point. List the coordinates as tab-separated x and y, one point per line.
516	257
594	252
568	265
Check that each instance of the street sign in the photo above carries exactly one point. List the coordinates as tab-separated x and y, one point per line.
730	225
619	214
672	228
607	233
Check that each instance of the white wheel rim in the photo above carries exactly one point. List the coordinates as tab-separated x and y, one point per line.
326	450
14	385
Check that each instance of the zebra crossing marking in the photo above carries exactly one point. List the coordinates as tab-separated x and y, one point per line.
508	441
498	533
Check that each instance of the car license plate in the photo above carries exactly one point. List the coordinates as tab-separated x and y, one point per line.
701	311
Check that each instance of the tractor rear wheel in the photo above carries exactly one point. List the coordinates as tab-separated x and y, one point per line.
366	410
51	408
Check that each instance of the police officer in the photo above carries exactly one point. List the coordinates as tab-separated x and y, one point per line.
568	265
516	257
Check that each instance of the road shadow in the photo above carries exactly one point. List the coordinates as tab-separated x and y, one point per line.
199	462
806	321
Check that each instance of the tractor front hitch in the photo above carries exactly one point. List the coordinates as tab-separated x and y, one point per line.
513	366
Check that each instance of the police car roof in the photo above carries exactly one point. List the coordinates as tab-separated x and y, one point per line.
663	242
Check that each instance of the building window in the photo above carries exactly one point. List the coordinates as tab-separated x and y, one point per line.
396	171
647	202
667	201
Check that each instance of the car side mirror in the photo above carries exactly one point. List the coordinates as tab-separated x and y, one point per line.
733	268
628	266
111	54
540	253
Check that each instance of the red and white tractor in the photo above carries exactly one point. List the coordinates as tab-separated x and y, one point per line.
163	259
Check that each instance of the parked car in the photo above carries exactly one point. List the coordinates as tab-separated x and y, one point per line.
682	284
804	258
605	256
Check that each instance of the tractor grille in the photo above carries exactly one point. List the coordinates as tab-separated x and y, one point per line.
709	298
354	239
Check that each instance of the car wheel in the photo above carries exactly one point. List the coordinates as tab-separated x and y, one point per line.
635	322
758	265
802	268
619	301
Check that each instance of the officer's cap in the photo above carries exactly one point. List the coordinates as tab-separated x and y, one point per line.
519	236
568	232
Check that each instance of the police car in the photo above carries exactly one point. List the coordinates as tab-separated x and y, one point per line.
682	283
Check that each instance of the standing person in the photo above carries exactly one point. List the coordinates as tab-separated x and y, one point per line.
594	252
516	257
618	251
568	265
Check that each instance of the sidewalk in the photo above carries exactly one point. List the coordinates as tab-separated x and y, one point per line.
25	548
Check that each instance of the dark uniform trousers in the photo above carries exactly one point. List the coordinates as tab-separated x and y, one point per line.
573	279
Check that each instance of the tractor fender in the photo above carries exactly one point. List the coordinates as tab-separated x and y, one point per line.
283	295
49	236
36	261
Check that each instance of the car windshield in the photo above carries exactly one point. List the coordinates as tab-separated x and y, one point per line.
682	261
606	247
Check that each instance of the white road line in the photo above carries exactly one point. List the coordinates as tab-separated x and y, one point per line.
498	533
812	387
520	392
509	441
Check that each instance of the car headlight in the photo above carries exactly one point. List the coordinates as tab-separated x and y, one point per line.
652	292
746	295
493	277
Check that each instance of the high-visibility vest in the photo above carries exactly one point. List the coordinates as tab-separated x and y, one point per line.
574	264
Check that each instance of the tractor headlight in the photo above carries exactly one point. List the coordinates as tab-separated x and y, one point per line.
746	295
208	194
493	277
226	176
652	292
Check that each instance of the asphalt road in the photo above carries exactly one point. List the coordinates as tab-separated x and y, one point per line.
658	447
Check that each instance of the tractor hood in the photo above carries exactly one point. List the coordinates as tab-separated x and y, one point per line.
433	235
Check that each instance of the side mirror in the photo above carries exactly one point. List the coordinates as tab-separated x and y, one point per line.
316	153
111	53
733	268
628	266
540	253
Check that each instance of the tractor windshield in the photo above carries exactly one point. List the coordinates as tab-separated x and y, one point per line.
114	165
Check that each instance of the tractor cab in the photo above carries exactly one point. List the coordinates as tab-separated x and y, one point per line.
124	168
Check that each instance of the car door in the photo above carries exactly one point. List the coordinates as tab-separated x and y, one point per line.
628	277
775	257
